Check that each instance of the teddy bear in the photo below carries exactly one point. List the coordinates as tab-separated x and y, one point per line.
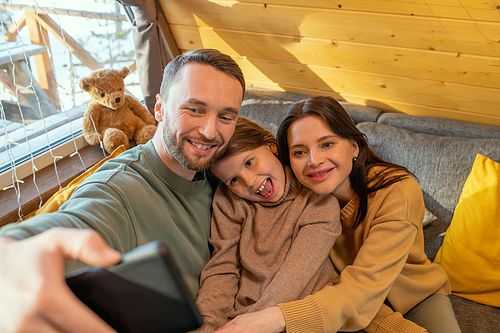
114	117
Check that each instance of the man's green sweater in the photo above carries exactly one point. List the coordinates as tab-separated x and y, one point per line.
132	200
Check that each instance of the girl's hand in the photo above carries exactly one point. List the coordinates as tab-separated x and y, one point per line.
270	320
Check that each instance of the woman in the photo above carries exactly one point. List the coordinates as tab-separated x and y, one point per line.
381	270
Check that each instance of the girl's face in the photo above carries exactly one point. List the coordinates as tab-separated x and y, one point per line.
321	160
256	175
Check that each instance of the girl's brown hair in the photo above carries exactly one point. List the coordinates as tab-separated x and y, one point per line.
248	135
337	119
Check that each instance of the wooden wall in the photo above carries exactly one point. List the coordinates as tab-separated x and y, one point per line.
438	58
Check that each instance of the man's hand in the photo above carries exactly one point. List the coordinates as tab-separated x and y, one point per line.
34	294
270	320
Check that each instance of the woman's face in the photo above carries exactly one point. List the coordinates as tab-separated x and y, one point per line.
321	160
256	175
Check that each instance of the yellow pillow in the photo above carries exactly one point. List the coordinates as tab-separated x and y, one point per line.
58	198
470	253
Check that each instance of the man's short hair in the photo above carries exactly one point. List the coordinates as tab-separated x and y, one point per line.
211	57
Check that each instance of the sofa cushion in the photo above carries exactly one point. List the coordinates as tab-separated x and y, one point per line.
441	164
267	106
470	253
474	317
361	113
440	126
433	237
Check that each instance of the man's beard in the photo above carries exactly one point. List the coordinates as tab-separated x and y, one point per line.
176	149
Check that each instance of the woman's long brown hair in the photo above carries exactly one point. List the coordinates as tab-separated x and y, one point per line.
337	119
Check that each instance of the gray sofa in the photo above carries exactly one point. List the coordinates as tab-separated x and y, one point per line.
440	152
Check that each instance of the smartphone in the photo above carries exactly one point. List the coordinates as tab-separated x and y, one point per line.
143	293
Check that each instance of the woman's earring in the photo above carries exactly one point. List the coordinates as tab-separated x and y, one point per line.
354	160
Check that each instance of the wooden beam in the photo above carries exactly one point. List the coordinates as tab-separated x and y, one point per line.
12	52
46	78
132	68
9	84
64	11
73	46
15	28
38	100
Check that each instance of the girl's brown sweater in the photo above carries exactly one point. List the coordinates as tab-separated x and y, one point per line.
265	254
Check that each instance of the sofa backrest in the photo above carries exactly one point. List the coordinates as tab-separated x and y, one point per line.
268	107
439	126
440	152
441	164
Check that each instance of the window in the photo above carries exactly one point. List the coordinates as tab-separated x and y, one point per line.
42	59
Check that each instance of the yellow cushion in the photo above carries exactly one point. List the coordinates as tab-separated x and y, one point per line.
58	198
470	253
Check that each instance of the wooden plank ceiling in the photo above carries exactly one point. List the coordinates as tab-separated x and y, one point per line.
437	58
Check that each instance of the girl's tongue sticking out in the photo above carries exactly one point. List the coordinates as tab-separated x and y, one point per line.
266	188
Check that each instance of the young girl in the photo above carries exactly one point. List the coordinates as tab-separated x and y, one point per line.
383	281
271	236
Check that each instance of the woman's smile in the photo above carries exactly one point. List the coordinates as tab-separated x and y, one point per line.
321	175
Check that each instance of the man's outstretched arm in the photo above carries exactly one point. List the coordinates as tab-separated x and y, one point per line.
35	296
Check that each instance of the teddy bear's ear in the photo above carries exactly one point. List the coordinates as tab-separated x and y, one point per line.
123	72
86	83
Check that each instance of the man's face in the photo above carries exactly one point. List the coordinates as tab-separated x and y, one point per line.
199	116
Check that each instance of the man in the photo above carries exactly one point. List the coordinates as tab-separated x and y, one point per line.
157	191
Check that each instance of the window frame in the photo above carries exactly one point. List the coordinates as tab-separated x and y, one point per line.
48	180
40	143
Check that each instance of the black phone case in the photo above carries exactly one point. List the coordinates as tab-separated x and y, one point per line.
144	293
